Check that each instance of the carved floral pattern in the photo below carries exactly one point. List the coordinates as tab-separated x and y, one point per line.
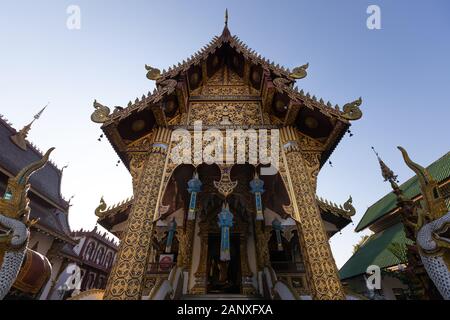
128	273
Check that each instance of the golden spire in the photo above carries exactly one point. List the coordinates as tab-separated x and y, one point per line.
226	32
20	137
386	172
226	17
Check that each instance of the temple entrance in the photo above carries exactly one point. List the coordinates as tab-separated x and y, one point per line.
224	277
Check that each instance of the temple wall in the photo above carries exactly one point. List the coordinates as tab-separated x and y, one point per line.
390	283
79	246
44	242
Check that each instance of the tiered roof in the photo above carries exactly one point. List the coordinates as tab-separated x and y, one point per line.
284	80
45	185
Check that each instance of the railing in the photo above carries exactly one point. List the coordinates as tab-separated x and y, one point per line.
169	289
277	289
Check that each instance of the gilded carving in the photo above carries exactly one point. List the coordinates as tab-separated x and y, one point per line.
127	276
319	262
185	238
262	237
238	113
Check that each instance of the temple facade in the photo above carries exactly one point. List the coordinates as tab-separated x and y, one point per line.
206	226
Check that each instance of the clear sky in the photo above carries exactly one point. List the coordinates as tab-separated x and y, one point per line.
402	72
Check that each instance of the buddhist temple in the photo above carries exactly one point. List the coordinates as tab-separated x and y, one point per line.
218	228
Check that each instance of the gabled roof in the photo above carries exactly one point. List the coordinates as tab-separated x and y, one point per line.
215	44
282	80
439	170
47	181
375	251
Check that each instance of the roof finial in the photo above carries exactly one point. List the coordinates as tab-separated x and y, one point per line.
226	17
387	173
19	137
226	33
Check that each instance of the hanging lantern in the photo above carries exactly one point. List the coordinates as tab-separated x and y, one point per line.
276	225
171	233
225	223
194	187
257	188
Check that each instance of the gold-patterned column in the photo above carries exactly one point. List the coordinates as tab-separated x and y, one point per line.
247	284
262	249
185	238
201	275
320	266
128	273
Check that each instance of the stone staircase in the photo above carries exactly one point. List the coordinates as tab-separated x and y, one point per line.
219	297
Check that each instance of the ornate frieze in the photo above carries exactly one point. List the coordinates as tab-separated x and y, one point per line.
235	112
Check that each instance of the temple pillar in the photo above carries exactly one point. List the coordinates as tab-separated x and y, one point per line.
262	250
201	275
247	283
185	238
320	266
128	273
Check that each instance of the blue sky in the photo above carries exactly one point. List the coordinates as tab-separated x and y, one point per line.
402	72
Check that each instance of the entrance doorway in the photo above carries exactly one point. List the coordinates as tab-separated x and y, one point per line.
224	277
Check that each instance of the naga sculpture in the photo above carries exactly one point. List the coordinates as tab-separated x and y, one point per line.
153	73
348	206
15	224
352	110
299	72
99	211
101	113
431	224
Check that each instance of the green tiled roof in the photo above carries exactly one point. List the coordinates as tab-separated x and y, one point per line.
440	170
375	252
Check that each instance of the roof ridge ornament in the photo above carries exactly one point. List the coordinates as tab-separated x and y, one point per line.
226	17
153	73
299	72
20	137
386	172
226	32
352	110
101	113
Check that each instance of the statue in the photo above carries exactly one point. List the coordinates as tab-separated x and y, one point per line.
431	223
14	218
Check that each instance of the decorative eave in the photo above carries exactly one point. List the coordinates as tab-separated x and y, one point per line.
343	213
109	212
63	237
346	210
104	238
